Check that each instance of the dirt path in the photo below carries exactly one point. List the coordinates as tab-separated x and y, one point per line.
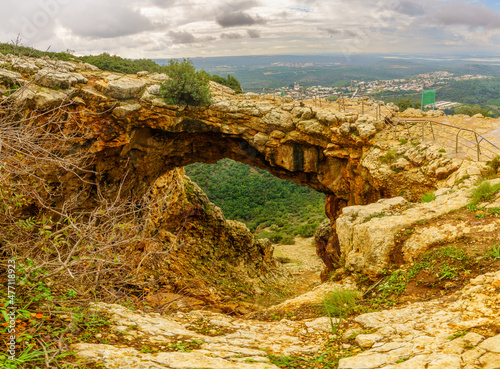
302	262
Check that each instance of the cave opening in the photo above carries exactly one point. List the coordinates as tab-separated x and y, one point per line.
270	207
285	213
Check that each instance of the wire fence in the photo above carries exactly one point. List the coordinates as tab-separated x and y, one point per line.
464	142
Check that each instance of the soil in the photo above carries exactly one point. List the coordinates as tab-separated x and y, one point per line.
302	262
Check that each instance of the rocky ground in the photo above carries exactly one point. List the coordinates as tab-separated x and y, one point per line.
445	306
461	330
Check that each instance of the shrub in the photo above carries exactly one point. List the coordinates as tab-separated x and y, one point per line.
495	163
484	191
341	303
230	81
471	110
288	240
307	230
428	197
185	85
404	104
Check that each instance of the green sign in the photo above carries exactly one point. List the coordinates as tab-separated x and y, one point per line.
428	97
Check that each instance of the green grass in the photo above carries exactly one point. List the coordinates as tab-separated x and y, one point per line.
484	192
428	197
494	251
394	284
388	157
462	180
341	303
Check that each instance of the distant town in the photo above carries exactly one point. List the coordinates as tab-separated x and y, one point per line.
356	88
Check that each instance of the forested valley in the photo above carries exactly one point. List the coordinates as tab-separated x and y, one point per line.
271	207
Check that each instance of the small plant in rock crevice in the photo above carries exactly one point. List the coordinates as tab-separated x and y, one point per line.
428	196
388	157
495	163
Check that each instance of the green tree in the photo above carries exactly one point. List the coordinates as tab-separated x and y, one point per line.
185	85
230	81
471	110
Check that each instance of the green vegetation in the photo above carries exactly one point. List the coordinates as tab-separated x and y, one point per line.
471	110
479	92
9	48
483	192
115	63
495	163
458	334
428	196
404	104
341	303
43	337
185	85
389	156
230	81
271	207
494	251
394	284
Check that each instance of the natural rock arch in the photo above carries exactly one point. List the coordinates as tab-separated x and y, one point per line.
134	138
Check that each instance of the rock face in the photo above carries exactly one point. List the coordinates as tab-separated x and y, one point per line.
199	248
369	235
132	133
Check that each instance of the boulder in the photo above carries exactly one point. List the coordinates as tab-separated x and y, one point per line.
49	99
367	234
345	129
260	139
282	120
313	127
11	78
48	78
123	110
125	87
366	130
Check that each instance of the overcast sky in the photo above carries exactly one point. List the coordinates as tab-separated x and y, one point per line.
196	28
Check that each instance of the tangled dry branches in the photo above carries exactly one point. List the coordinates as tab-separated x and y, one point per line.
45	175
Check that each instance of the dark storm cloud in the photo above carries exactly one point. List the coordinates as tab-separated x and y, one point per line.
253	33
183	37
236	19
334	31
473	16
231	36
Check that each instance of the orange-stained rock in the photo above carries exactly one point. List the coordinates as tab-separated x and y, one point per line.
135	138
